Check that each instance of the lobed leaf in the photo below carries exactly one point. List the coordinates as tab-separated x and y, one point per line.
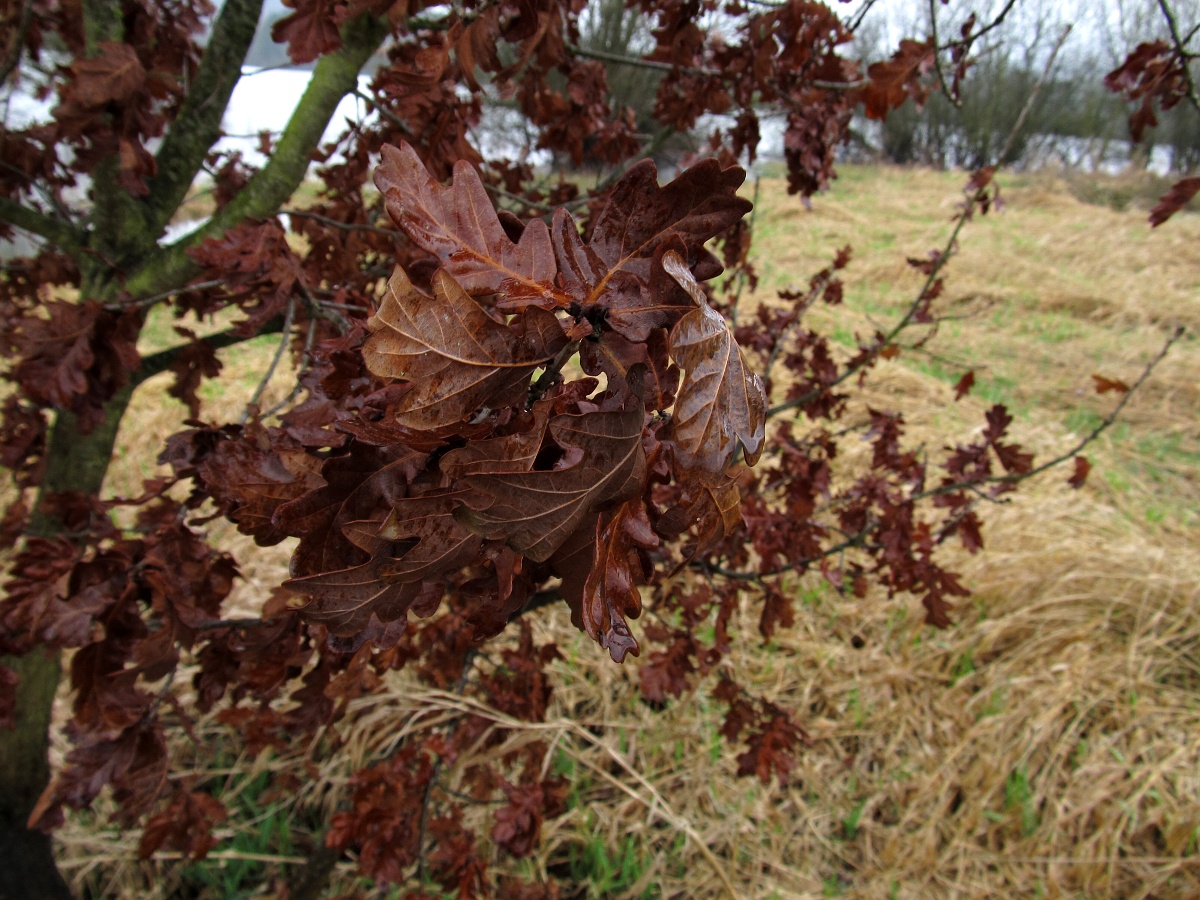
458	224
610	592
456	355
720	402
536	511
418	543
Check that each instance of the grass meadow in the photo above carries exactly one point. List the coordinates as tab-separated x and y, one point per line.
1047	745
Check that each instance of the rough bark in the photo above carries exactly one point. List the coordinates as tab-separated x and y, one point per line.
75	462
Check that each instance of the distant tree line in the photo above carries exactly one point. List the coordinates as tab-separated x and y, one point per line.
1074	120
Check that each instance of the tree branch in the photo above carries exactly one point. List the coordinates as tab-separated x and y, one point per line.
1180	48
1037	89
905	320
270	373
971	485
1104	425
18	42
199	123
937	57
58	233
992	25
161	361
334	223
335	76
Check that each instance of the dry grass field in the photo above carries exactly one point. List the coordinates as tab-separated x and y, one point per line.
1047	745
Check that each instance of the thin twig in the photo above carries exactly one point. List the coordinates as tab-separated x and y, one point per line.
967	212
973	485
384	111
879	345
18	38
218	624
552	374
145	302
991	26
517	198
853	541
1037	88
334	223
1103	426
865	8
297	387
270	373
638	61
1181	49
324	310
459	686
937	57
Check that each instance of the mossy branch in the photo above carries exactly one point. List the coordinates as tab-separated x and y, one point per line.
335	76
59	233
199	123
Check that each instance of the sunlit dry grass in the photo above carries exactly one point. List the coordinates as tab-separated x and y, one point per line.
1046	745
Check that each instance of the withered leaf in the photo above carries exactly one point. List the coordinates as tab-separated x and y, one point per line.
713	507
964	385
615	357
310	31
1179	196
459	225
533	511
511	453
698	204
457	356
1104	385
610	592
114	74
418	543
618	269
360	485
1082	467
720	401
893	81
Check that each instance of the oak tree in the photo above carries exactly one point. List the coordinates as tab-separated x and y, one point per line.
510	391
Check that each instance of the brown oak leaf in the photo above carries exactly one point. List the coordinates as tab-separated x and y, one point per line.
456	355
420	541
1180	194
458	224
720	402
618	566
535	511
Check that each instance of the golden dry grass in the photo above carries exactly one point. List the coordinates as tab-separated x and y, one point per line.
1046	745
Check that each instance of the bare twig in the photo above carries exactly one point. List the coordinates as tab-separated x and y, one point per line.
146	302
384	111
270	373
937	56
334	223
459	686
853	25
517	198
1029	101
13	58
1181	48
991	26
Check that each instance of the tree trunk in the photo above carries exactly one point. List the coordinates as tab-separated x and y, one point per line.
74	462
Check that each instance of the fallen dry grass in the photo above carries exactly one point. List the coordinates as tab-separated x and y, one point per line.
1046	745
